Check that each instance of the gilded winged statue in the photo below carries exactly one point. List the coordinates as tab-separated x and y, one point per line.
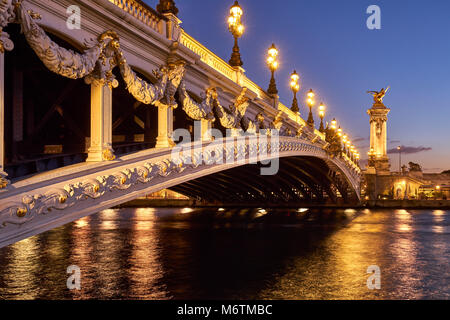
379	95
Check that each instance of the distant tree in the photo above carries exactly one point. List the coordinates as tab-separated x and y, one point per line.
445	172
414	166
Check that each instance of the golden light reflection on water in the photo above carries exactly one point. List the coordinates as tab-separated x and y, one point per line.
145	270
340	273
82	255
133	253
438	215
402	214
22	270
109	219
438	229
403	227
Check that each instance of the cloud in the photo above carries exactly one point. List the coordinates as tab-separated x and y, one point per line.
358	139
409	150
394	141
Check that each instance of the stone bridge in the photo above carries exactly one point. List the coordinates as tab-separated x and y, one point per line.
87	119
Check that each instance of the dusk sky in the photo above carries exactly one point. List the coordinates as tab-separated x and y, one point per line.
336	55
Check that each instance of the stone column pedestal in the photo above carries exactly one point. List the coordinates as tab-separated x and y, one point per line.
101	123
165	126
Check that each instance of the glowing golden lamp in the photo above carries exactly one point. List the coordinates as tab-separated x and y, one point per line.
236	10
310	99
272	58
321	110
333	124
438	187
240	29
234	20
344	138
348	143
273	52
294	81
339	132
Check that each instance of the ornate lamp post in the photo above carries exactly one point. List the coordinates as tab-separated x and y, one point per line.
295	88
353	152
310	101
333	125
237	30
272	62
344	141
321	115
399	148
348	145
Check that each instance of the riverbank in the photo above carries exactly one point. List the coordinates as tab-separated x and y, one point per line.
387	204
408	204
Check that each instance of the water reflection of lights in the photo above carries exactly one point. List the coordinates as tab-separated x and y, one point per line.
261	212
144	218
109	219
186	210
438	215
145	265
83	222
221	209
402	214
404	227
25	265
301	210
438	229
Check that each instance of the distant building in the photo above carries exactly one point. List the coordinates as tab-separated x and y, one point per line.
411	183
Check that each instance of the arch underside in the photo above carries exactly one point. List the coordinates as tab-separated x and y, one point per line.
300	179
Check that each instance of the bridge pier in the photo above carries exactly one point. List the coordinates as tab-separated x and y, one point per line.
101	123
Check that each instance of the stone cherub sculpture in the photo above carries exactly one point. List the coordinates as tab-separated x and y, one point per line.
379	95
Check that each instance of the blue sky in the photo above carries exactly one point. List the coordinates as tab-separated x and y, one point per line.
329	45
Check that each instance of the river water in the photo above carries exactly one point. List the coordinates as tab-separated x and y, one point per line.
218	253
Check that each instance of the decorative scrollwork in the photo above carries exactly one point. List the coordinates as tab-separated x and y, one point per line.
61	198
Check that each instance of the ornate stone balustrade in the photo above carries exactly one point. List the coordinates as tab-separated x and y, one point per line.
142	12
207	56
246	82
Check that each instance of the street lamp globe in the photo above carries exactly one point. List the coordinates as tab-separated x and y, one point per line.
321	116
295	86
236	28
310	102
272	63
